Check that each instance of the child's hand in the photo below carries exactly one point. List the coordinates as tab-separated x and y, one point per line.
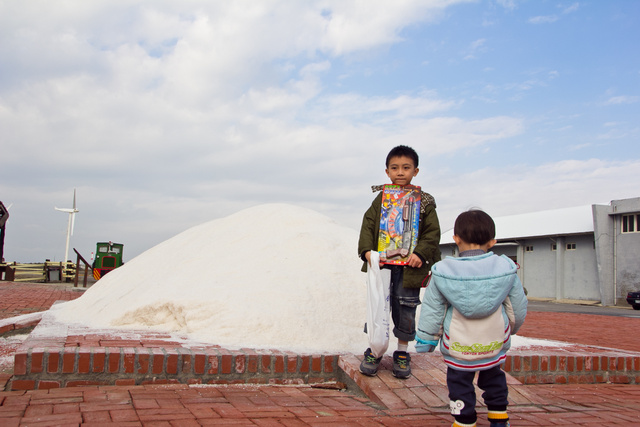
367	255
414	261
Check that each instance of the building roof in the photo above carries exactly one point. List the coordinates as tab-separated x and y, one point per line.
556	222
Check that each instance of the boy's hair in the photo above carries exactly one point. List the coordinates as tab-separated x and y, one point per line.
475	226
403	151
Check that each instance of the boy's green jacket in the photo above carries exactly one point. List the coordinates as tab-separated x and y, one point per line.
427	247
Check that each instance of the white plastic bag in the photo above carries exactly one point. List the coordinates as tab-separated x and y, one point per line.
378	283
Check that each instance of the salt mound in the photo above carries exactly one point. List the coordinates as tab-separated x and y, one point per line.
272	276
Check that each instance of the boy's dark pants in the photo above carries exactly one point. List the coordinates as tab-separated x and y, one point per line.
460	383
403	306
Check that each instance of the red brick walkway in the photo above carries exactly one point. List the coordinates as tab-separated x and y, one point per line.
587	329
184	405
23	298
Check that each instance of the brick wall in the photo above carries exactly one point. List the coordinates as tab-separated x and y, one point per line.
40	368
608	367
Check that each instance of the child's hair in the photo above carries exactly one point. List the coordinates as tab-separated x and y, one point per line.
475	226
403	151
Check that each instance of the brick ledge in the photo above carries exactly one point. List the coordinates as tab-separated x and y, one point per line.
55	356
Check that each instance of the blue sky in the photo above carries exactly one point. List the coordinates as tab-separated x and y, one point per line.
164	115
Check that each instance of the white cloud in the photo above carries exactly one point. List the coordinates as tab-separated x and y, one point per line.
571	8
478	43
622	99
382	108
476	47
547	19
577	147
507	4
358	25
522	188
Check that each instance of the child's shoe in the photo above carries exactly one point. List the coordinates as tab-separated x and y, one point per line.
459	424
498	418
401	367
369	365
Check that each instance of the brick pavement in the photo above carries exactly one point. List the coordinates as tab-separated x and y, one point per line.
184	405
421	400
22	298
587	329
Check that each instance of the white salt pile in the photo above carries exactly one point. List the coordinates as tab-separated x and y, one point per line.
272	276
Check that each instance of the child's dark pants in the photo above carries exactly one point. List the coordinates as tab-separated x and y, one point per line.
463	397
403	306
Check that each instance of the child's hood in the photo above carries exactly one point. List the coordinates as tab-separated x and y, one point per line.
476	286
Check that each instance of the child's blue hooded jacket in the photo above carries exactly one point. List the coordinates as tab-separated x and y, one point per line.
473	304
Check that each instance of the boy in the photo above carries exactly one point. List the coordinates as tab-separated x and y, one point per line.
406	281
473	305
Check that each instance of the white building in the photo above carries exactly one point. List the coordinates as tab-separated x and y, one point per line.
582	253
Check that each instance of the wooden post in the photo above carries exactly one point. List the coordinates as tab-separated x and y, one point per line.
4	216
2	244
75	279
10	274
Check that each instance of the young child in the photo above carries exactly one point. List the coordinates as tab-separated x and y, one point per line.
473	305
406	281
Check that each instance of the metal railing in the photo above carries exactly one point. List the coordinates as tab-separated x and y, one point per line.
48	271
87	268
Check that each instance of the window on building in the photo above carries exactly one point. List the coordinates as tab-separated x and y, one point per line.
528	248
554	247
630	223
571	246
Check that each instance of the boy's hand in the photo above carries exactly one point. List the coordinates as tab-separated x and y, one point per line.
414	261
367	255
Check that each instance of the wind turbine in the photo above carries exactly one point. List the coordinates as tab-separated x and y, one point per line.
72	215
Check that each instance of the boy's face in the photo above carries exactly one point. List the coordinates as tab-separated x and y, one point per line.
401	170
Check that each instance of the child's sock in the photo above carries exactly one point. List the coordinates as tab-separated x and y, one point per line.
498	417
403	347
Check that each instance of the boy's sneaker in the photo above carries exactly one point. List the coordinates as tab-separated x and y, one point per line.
401	367
499	424
369	365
